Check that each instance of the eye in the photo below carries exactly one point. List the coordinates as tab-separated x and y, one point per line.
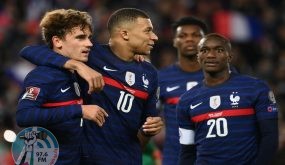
203	50
220	50
181	36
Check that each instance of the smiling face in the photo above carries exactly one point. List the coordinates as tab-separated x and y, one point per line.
141	36
76	44
214	54
186	39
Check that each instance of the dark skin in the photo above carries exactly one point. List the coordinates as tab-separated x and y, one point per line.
185	41
214	57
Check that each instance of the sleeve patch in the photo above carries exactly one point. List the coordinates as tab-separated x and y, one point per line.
31	93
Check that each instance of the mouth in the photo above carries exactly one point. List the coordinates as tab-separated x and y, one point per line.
86	52
211	63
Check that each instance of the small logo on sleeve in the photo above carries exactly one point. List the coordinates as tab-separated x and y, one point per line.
31	93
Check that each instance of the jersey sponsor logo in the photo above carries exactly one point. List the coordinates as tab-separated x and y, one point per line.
191	84
234	99
196	105
170	89
31	93
215	101
109	69
64	90
130	78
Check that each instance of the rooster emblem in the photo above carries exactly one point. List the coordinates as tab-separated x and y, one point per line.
234	98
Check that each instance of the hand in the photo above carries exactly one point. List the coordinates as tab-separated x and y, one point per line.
94	79
94	113
30	139
152	126
139	58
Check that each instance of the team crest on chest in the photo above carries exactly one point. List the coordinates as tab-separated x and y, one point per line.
215	101
234	99
145	81
130	78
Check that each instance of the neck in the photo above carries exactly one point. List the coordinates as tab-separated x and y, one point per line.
121	50
213	79
189	64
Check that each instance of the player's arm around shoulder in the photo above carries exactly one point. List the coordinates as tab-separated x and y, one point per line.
93	78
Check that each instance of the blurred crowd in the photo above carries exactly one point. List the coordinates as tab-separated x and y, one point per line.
255	27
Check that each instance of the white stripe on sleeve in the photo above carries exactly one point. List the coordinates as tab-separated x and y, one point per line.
186	136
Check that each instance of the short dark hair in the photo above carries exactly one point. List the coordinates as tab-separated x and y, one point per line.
190	20
125	15
220	37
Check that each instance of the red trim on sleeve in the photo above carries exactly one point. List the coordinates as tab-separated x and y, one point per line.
117	84
224	113
64	103
172	100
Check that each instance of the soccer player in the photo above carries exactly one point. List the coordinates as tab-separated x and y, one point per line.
51	97
130	92
178	78
229	118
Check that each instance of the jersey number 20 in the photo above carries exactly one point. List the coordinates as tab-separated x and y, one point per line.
220	125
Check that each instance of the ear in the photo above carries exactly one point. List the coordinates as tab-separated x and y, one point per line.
124	33
230	57
174	43
57	42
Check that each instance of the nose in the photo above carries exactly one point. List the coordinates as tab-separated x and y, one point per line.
154	37
89	43
211	53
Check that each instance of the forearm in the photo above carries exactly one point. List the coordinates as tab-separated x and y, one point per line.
269	142
47	116
187	155
42	55
143	138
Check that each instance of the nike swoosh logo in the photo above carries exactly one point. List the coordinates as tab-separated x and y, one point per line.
108	69
169	89
64	90
196	105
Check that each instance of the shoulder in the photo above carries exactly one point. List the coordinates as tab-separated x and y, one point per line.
167	70
45	75
192	93
247	79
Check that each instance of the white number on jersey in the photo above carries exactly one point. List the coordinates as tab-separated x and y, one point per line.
125	102
221	126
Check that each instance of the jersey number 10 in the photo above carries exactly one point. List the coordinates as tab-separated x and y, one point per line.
125	102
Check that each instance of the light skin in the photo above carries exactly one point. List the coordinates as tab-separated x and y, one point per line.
214	57
185	41
76	45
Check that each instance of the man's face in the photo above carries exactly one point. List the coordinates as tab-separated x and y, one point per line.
141	36
214	55
76	44
186	39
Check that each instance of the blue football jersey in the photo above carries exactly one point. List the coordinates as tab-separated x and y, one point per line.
129	97
225	119
173	83
51	99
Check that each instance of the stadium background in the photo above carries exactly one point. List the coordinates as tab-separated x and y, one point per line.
255	27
